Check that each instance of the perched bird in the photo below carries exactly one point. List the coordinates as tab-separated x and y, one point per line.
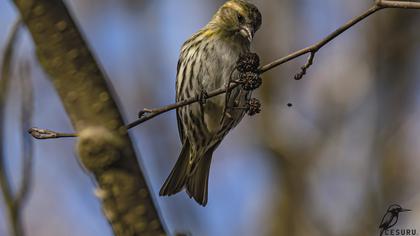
207	62
391	217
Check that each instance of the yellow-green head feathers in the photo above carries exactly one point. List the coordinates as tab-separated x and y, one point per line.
237	16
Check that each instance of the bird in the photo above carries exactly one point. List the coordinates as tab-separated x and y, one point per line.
391	217
207	62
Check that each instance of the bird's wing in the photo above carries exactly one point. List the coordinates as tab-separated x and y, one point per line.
180	127
187	60
178	119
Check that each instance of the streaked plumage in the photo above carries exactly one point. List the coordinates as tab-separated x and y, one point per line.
206	62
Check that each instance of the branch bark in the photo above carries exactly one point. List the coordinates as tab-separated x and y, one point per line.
104	147
398	4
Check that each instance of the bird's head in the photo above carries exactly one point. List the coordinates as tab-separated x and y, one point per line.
238	17
395	209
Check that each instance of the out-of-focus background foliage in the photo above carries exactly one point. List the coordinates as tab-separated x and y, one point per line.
329	165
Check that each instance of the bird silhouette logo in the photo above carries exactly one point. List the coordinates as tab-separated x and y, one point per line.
391	217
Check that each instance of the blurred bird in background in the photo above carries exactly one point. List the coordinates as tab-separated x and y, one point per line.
207	62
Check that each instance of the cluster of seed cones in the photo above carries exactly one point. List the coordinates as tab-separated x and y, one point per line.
250	79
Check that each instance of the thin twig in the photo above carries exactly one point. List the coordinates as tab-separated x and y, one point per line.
147	114
48	134
4	86
26	121
314	48
16	228
305	67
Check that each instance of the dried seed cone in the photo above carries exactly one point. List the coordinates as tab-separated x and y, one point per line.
254	106
251	81
248	63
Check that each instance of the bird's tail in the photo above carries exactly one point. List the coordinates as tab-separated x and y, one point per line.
179	174
197	183
193	176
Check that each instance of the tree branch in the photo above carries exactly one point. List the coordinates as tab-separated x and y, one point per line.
398	4
103	146
147	114
312	50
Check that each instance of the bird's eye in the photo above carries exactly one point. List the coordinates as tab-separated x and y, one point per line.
241	18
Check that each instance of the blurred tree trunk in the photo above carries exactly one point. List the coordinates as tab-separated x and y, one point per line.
291	164
394	93
104	147
391	51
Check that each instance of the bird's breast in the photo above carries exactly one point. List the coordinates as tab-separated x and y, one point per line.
226	54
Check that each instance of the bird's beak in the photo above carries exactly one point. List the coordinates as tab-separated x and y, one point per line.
246	32
405	209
